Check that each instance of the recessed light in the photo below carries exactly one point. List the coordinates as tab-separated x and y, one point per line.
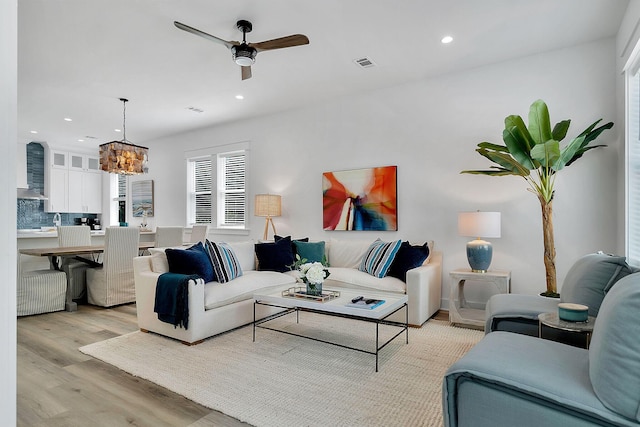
239	97
117	130
447	39
34	131
81	140
67	119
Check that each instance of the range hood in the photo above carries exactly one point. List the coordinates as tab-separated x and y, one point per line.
29	194
21	168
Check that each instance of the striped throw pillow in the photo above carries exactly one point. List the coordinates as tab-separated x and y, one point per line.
224	260
379	257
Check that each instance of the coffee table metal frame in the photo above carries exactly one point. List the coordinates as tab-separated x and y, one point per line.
292	305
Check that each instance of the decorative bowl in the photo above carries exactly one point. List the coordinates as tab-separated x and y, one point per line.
571	312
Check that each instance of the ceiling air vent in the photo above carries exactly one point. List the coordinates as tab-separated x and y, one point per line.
364	62
195	110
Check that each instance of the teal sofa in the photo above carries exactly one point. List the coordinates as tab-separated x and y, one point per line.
511	379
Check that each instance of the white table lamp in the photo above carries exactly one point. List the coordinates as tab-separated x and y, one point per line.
479	225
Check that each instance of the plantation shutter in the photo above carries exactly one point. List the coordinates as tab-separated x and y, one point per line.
202	191
633	172
232	195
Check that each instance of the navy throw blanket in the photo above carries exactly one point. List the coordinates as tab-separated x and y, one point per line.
172	298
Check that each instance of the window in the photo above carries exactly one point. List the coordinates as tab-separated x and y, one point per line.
118	200
633	167
122	198
217	191
231	190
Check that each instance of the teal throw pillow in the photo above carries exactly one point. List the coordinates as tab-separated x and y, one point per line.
311	251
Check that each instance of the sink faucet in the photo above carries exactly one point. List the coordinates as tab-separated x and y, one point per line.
57	219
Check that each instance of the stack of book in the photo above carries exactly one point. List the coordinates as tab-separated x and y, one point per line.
366	303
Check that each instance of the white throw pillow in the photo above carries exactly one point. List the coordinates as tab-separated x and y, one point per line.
245	253
159	263
347	253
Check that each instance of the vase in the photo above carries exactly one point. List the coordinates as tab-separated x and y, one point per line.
314	289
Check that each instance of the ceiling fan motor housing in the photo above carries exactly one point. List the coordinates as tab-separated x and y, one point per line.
244	55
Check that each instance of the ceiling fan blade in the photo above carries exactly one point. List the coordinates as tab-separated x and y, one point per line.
228	44
282	42
246	72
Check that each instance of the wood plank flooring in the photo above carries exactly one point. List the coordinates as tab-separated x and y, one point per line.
57	385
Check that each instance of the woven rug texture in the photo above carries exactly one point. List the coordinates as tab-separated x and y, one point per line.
285	380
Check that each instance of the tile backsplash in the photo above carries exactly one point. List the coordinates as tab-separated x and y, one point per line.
31	213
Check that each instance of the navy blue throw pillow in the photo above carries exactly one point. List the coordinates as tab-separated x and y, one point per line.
276	256
193	260
294	249
408	257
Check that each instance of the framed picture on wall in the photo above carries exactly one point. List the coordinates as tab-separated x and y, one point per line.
142	197
360	199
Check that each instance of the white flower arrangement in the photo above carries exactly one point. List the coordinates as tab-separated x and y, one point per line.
311	273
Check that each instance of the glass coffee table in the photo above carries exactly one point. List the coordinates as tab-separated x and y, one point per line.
337	306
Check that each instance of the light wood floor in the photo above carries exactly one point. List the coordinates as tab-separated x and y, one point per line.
60	386
57	385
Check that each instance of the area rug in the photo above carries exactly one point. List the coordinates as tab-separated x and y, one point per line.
286	380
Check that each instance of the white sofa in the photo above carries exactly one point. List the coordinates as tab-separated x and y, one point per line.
216	308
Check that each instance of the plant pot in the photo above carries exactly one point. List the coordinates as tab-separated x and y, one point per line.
550	294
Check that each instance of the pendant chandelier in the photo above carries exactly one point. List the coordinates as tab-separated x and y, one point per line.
123	157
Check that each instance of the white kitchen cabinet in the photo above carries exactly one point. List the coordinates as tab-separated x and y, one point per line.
58	190
74	182
84	192
84	162
58	159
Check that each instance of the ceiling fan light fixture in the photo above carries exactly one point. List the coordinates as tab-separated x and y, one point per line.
244	55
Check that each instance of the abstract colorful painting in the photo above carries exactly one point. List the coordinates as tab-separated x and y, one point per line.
360	199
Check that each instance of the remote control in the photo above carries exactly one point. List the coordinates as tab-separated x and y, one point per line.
356	299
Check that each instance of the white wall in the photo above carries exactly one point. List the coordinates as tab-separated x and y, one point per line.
430	129
8	262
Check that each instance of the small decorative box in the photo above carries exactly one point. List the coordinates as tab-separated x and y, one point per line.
571	312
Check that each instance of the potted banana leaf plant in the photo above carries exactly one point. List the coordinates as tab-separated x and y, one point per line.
534	153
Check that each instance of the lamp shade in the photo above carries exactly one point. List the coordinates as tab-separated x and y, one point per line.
479	224
268	205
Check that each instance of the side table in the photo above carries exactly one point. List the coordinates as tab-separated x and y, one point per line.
553	321
460	313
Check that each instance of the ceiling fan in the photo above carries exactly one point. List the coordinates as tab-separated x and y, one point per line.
244	54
